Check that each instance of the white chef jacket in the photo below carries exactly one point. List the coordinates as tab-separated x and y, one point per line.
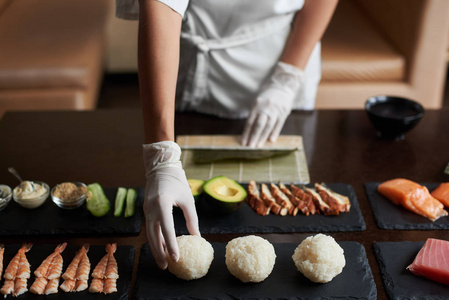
229	49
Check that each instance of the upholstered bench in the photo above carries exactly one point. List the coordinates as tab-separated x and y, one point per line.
51	53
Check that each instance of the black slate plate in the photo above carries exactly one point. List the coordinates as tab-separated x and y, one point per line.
393	259
49	219
124	256
355	282
245	220
391	216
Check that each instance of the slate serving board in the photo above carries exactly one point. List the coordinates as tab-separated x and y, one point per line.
124	257
245	220
393	259
391	216
285	282
49	219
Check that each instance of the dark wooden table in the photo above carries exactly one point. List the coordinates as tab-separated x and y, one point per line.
341	146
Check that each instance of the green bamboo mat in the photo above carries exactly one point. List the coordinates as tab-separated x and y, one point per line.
289	165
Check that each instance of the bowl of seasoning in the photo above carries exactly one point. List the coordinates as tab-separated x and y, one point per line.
393	116
5	196
31	194
69	195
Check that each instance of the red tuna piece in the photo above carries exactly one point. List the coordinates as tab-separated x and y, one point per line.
432	261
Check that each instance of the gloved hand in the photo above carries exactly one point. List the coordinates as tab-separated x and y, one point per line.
166	186
272	106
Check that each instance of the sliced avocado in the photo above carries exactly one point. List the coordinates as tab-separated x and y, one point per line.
223	194
196	186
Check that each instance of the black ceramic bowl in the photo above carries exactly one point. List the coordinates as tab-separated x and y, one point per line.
393	116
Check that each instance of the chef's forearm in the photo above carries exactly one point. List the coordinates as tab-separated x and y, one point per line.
158	59
308	28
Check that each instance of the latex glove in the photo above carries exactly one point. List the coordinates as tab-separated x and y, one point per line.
272	106
166	186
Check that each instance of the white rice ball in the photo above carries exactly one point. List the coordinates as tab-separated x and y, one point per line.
250	258
195	257
320	258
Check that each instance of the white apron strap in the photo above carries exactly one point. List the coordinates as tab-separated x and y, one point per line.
195	87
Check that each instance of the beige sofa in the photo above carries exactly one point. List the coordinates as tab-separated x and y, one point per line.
396	47
51	53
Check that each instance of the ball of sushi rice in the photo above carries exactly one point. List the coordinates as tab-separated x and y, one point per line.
319	258
250	258
195	257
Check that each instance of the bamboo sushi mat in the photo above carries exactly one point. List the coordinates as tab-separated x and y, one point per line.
291	166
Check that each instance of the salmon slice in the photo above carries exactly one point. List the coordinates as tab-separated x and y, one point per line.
441	193
432	261
413	197
2	251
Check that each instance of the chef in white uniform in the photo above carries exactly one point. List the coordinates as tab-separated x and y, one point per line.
253	59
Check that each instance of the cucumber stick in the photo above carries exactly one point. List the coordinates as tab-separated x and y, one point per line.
119	201
131	197
97	203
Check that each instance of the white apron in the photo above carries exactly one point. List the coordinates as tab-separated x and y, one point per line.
228	50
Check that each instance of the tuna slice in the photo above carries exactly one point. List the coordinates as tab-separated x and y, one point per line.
432	261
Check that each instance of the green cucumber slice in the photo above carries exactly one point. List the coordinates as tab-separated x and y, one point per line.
130	203
98	204
119	201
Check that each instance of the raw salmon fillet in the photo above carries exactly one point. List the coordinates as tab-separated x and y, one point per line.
441	193
413	197
432	261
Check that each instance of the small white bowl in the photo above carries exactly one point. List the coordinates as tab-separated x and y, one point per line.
32	202
4	201
70	203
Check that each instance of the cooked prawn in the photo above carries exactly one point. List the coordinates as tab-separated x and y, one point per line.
68	285
72	269
52	286
105	273
8	287
81	285
48	273
110	285
20	286
38	286
12	270
96	286
2	251
42	270
112	267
